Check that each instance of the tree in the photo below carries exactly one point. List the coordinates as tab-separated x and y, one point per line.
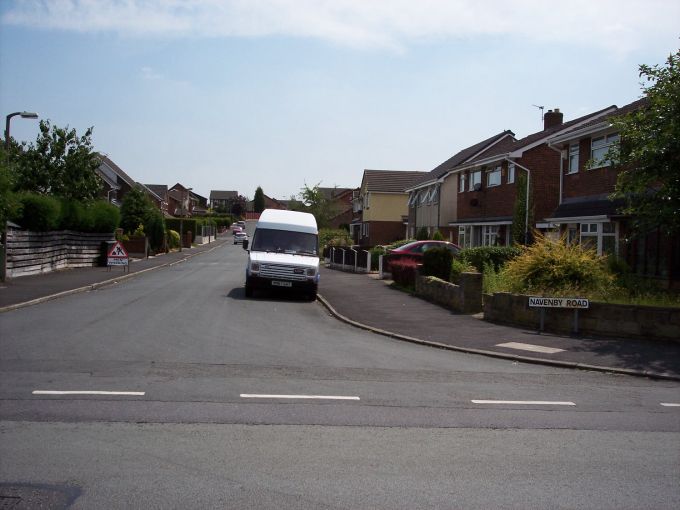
314	201
237	206
258	201
8	200
134	210
649	152
60	163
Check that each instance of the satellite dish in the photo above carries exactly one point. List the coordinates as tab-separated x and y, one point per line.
477	186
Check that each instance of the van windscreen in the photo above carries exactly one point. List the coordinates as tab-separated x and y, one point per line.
284	241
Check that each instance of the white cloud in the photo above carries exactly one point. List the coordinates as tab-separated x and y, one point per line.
148	73
616	25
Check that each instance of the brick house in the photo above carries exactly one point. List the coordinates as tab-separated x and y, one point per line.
222	199
586	215
381	206
161	192
340	202
487	188
116	183
426	208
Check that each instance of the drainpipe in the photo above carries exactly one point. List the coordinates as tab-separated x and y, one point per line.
526	215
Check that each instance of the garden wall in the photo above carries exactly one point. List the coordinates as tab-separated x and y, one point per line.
601	319
41	252
465	298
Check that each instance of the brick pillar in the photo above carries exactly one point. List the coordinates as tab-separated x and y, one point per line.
187	239
471	283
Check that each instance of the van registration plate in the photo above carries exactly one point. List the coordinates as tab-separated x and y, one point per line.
277	283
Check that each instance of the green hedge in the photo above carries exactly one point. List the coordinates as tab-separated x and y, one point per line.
437	262
496	256
38	213
41	213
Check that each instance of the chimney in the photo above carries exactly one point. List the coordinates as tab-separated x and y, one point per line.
552	118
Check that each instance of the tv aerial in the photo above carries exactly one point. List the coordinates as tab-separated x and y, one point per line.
540	108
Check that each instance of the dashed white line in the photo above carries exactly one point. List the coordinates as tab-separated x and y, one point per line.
530	347
670	404
525	402
89	392
312	397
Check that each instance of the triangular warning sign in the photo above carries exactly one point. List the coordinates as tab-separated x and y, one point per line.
118	252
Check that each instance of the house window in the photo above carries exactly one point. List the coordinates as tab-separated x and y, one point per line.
434	196
599	148
424	195
493	177
572	167
464	237
475	179
366	200
511	173
602	237
461	182
413	197
364	229
490	235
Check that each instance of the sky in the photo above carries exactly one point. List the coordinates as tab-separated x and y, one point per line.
236	94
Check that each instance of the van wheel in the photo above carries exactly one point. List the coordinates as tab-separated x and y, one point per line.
311	296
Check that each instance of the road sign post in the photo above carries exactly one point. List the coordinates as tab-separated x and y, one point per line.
575	304
117	256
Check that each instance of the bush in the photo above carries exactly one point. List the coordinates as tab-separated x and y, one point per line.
459	266
437	236
155	230
74	216
422	234
404	272
496	256
173	239
437	262
38	213
105	216
333	237
188	224
558	268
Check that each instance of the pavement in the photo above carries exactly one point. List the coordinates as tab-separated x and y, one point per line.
371	304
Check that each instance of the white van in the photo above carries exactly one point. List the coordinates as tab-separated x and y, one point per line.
283	253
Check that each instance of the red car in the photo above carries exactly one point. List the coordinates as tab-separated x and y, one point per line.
416	249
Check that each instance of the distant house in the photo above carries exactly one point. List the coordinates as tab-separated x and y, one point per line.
380	206
220	199
586	215
180	201
161	191
340	203
269	203
116	182
426	209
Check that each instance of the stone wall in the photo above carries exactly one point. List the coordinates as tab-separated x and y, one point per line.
41	252
601	319
465	298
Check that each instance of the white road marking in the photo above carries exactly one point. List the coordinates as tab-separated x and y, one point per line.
670	404
315	397
88	392
530	347
527	402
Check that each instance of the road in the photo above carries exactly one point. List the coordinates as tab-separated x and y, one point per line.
200	406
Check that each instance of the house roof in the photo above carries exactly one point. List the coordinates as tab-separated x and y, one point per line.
586	207
222	195
159	189
118	170
461	157
389	181
331	193
506	147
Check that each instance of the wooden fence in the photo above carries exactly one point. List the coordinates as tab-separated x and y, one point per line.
41	252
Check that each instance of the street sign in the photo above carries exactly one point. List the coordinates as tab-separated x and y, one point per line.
117	255
552	302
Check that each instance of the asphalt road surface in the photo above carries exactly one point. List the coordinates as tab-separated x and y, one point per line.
171	390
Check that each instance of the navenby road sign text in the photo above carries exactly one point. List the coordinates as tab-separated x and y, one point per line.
552	302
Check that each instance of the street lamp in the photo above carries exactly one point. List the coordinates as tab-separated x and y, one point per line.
181	217
23	115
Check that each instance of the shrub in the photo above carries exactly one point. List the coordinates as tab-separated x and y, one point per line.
173	239
459	266
437	236
375	256
154	227
557	268
38	213
422	234
333	237
496	256
105	216
437	262
397	244
404	272
74	216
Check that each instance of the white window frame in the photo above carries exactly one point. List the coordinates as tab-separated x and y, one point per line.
511	173
464	236
434	196
596	231
367	200
424	195
602	149
496	174
462	181
490	235
412	198
573	158
475	178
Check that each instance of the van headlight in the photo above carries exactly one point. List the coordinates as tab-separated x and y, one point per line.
255	267
311	271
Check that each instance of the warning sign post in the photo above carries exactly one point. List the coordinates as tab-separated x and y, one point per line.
117	256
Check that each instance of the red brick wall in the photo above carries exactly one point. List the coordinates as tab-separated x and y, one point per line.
588	182
383	232
499	201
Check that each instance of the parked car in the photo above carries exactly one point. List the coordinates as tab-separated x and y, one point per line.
416	249
236	229
239	237
241	224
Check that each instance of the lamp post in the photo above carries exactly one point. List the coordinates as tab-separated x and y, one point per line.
23	115
181	217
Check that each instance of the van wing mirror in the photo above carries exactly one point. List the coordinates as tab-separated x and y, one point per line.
245	244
